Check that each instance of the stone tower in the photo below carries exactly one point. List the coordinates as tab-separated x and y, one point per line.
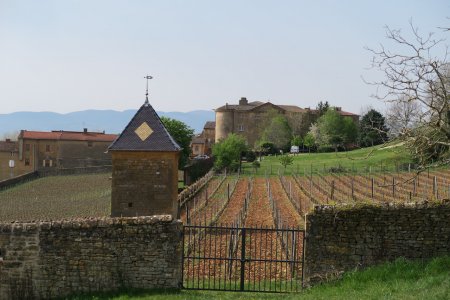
144	168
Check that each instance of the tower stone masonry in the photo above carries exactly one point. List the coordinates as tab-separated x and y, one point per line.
144	168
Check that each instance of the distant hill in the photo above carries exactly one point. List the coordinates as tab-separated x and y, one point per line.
94	120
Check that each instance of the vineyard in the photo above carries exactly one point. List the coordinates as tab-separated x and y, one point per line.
267	215
227	200
57	197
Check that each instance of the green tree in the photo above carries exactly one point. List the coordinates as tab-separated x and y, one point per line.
228	152
334	130
309	141
182	134
278	132
296	140
286	160
372	129
351	131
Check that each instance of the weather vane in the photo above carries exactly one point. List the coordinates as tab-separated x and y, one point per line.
146	91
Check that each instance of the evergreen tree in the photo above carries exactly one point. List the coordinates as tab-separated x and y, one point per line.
372	128
322	108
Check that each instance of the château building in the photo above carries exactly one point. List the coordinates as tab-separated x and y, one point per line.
249	119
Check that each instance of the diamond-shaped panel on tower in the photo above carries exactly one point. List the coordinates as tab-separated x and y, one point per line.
143	131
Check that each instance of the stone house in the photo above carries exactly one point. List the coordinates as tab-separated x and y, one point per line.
202	143
249	119
9	151
40	150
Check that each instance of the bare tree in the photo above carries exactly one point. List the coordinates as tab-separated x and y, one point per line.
402	116
417	77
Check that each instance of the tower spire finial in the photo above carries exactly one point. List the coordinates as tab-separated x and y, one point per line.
146	91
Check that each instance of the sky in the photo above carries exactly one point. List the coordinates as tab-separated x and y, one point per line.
66	56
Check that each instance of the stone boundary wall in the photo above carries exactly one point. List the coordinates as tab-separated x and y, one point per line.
189	192
7	183
54	259
75	171
342	238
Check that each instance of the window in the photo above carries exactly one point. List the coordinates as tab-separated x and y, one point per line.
196	149
90	143
241	128
27	161
47	148
27	147
47	163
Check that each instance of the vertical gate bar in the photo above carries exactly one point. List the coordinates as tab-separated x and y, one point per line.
215	256
236	240
249	253
204	242
193	255
210	257
188	263
303	258
292	257
182	257
253	255
270	261
222	258
260	256
199	255
265	258
227	261
296	264
276	258
242	259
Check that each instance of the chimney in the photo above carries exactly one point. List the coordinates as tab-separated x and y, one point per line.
85	130
243	101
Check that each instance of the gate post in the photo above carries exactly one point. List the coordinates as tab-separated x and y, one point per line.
242	259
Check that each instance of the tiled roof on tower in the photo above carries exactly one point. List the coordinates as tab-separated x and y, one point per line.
145	132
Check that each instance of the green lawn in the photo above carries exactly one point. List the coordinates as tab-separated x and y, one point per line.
398	280
368	159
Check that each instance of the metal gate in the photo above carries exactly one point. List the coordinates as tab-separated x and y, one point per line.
243	259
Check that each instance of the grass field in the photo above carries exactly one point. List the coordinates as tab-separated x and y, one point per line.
398	280
374	158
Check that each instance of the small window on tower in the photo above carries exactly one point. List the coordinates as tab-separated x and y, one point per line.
90	143
27	147
241	127
27	161
47	148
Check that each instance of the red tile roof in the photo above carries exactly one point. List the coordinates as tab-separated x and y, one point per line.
68	136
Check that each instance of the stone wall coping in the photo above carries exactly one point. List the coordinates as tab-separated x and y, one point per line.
85	223
382	206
